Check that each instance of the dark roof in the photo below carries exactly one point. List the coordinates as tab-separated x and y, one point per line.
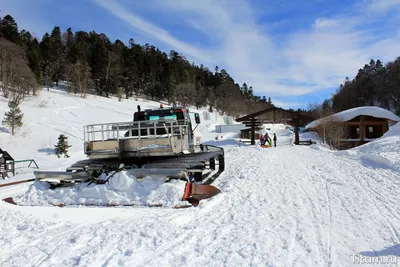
272	109
5	155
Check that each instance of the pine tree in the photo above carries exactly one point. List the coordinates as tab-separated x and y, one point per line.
264	99
56	55
62	146
70	47
9	29
32	48
13	118
46	66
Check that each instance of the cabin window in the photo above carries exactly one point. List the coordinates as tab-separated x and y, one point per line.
354	132
374	131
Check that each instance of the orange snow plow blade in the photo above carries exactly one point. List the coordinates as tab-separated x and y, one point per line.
196	192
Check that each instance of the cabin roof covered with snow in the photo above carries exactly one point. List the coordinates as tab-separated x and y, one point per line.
349	114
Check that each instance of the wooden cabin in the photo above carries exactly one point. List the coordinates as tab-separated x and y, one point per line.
7	164
354	127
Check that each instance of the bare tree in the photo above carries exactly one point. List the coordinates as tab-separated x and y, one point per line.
69	76
112	65
120	93
9	53
335	131
15	75
185	92
24	82
82	80
330	127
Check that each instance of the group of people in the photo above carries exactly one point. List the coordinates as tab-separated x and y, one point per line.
265	138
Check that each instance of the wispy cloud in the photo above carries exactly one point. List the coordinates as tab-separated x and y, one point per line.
306	60
151	30
383	5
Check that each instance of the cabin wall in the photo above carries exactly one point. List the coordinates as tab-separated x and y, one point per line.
357	131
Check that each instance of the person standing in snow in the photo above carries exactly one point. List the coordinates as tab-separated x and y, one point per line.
267	139
262	140
274	140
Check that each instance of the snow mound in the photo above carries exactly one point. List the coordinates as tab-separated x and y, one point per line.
382	152
225	142
122	189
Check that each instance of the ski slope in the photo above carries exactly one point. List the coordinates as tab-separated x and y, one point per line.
283	206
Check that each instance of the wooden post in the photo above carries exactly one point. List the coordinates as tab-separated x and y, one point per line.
385	127
13	167
362	128
274	115
253	133
296	131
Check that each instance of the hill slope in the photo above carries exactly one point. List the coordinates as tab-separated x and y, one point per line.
55	112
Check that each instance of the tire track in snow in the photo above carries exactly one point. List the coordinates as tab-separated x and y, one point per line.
367	193
330	225
359	194
164	249
60	130
366	175
59	112
253	222
34	243
228	230
317	232
339	179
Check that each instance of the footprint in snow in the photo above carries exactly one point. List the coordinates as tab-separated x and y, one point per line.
22	227
128	253
242	176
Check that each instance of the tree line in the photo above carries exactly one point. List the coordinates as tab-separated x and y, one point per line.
90	63
375	84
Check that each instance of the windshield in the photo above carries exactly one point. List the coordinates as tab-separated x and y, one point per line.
155	115
166	117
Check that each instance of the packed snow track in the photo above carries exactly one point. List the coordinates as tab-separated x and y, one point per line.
284	206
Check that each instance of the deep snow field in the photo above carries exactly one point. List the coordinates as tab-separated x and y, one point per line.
283	206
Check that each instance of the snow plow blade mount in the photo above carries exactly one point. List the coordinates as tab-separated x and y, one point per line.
196	192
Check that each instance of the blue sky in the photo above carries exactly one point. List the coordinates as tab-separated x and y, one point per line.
295	51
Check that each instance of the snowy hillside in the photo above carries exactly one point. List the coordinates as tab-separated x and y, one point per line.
283	206
55	112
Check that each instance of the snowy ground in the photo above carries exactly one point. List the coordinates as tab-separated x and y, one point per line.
284	206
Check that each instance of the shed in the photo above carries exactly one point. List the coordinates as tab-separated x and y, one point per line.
7	164
357	125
